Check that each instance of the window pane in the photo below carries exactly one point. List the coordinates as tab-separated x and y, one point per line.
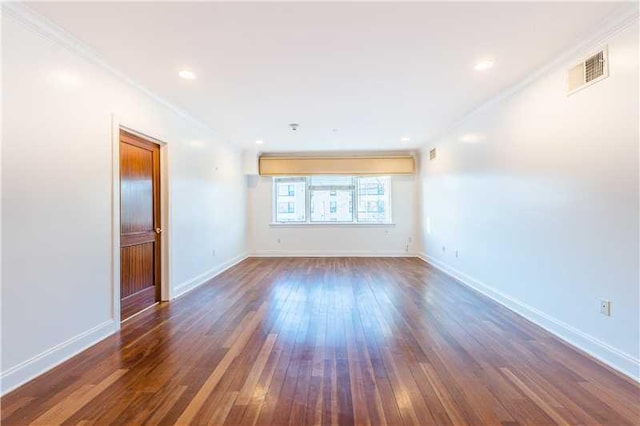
331	206
331	198
374	199
290	199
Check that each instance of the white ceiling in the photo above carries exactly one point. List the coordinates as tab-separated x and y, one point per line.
376	72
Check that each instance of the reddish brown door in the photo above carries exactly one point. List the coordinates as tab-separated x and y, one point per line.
140	224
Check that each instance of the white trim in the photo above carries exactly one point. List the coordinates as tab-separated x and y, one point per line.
206	276
611	26
616	359
45	361
118	123
48	29
41	363
330	253
115	219
36	366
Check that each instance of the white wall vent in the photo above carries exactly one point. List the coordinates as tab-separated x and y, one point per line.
591	70
432	154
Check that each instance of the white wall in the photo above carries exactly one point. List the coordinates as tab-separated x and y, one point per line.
544	211
332	240
56	198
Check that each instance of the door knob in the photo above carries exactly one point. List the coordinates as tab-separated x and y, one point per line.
158	230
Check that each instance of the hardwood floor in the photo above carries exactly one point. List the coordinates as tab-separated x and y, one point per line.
328	341
137	302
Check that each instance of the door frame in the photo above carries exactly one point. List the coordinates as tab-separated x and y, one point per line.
130	126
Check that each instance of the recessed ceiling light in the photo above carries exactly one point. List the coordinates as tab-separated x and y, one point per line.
483	65
471	138
187	75
259	142
405	139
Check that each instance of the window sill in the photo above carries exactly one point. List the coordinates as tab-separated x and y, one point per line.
330	224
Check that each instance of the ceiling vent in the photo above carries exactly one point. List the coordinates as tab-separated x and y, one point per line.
589	71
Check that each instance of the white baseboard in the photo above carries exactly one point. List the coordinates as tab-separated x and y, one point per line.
203	278
616	359
45	361
41	363
330	253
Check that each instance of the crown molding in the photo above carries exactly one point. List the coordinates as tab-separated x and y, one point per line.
36	23
609	27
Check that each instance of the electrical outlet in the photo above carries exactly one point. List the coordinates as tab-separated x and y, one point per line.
213	252
605	307
456	253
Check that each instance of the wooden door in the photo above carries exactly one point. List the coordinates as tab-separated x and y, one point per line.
140	224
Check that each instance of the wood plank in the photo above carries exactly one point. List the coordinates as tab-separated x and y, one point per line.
78	399
309	341
200	397
546	407
248	389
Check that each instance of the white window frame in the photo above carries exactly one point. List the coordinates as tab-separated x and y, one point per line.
388	208
332	188
274	198
354	209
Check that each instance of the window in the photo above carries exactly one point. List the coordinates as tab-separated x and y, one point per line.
331	199
290	200
287	190
373	199
287	207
